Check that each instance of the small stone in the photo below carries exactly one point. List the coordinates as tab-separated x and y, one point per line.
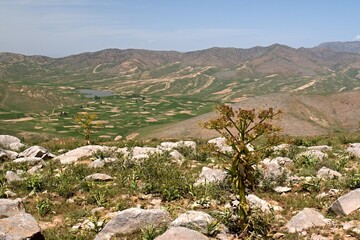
97	210
35	169
176	156
272	169
99	177
278	235
118	138
258	203
156	202
282	189
354	149
220	144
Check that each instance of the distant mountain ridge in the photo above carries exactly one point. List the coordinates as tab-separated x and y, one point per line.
274	59
352	47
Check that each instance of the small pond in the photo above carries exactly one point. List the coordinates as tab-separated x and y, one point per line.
89	93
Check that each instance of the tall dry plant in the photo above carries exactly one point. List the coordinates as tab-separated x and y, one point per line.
240	129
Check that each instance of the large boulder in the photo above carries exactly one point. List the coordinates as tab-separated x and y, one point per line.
195	220
354	149
36	151
209	175
307	218
15	223
10	142
181	233
347	203
133	220
81	152
21	226
10	207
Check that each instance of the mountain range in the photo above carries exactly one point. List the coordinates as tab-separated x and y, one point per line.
216	74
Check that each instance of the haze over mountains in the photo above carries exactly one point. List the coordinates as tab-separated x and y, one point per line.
215	74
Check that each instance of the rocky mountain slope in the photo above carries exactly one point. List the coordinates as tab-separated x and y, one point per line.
175	190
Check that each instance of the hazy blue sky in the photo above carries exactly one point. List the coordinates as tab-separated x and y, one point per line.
63	27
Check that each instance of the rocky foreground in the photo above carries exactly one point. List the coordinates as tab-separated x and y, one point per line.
308	192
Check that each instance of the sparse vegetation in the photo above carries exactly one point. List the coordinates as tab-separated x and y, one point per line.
61	192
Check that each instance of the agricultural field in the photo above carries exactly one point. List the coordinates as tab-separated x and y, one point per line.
116	115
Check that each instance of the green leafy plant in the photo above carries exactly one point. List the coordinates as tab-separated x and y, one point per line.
35	182
98	196
43	206
98	225
307	161
212	228
241	128
170	194
353	179
151	232
312	185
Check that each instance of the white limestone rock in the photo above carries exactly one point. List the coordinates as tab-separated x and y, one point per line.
181	233
305	219
347	203
133	220
11	142
209	175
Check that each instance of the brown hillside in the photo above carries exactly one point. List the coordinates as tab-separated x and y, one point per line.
302	115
